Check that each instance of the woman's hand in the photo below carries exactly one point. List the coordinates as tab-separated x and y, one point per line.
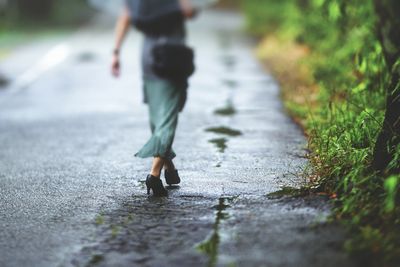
121	30
115	66
187	9
189	12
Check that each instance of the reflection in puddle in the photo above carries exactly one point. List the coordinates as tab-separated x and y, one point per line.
229	61
228	110
86	57
211	244
220	143
222	130
225	40
288	191
172	187
230	83
3	81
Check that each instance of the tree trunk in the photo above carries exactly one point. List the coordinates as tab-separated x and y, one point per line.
389	34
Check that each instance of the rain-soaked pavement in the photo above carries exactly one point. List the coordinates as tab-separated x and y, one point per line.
72	194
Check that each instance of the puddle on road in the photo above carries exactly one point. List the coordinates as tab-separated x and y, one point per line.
85	57
3	81
288	191
221	144
223	130
96	259
230	83
224	40
228	110
210	246
229	61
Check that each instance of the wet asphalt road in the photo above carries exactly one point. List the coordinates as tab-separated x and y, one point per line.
72	194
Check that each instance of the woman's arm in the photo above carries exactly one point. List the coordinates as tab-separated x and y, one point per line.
187	8
121	30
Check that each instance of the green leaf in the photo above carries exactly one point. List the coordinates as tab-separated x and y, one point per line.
334	11
391	190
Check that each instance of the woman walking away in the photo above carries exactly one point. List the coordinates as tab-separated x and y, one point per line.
166	65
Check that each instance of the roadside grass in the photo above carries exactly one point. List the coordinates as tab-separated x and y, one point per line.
329	62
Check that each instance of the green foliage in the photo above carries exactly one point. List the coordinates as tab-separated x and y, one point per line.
269	16
391	187
348	66
62	14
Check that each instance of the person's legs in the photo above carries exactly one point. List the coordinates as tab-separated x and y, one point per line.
163	101
169	165
157	166
153	181
171	173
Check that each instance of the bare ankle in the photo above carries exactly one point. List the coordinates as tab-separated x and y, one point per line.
156	168
155	174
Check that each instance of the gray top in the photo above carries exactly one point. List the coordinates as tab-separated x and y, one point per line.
138	8
145	9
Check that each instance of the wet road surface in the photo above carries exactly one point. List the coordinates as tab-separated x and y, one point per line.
72	194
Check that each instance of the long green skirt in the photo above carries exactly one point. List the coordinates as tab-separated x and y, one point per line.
164	101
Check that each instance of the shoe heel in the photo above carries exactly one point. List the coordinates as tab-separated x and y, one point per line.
156	186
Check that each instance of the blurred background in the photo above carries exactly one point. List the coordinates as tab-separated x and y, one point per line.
329	57
25	20
20	13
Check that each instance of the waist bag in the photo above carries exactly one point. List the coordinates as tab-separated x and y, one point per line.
173	62
156	17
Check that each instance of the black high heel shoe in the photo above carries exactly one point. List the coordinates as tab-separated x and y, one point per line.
172	177
155	184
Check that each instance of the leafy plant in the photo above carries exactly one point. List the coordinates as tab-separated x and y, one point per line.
347	64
